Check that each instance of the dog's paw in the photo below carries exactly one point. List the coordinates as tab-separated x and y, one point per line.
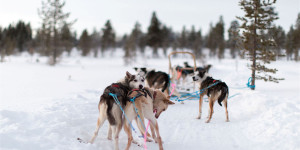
198	117
135	142
227	120
207	121
149	140
109	138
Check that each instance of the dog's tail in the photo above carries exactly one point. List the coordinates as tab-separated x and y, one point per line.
167	83
224	93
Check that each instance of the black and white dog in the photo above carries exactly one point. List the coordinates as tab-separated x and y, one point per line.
109	109
155	79
187	70
219	92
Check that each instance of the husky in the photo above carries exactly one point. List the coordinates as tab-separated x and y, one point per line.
186	73
219	92
149	107
110	110
155	79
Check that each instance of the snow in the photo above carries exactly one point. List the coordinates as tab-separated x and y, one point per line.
46	107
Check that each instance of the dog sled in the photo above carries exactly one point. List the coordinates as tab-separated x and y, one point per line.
182	88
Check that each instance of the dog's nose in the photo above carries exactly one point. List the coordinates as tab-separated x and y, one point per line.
194	78
141	86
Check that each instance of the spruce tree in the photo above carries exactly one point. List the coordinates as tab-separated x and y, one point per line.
211	42
233	38
23	35
165	39
290	43
154	38
66	39
95	42
297	38
183	41
198	44
256	22
192	38
85	43
2	52
108	37
219	37
278	34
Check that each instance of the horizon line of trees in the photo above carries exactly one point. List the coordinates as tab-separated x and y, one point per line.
18	38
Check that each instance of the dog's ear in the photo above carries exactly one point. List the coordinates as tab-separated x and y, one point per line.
167	101
135	68
128	75
144	69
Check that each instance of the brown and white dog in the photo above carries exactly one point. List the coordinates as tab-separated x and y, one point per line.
219	92
110	109
155	102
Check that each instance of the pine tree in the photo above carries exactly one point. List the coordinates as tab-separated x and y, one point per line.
53	19
290	43
211	42
96	42
233	38
219	31
154	38
297	38
183	41
192	38
142	43
66	39
108	37
165	32
197	45
85	43
2	51
23	35
9	40
258	19
278	35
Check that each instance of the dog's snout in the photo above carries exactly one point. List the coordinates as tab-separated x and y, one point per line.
141	86
194	78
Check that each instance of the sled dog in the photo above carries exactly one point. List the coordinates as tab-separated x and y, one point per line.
219	92
110	110
150	108
155	79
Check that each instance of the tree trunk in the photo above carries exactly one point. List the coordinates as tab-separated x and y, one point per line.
254	53
296	54
54	47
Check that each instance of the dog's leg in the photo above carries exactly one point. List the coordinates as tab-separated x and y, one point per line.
153	132
200	106
116	131
129	134
109	134
211	109
100	121
226	111
155	124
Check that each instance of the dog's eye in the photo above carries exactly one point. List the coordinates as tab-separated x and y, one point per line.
164	109
135	80
142	80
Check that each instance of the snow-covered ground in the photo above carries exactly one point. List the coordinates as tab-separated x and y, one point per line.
46	107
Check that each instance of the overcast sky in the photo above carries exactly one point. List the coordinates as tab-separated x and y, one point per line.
124	13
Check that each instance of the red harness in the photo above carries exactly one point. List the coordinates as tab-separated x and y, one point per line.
115	85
